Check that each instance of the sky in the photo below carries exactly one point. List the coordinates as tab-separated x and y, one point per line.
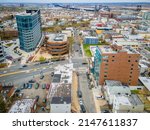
70	1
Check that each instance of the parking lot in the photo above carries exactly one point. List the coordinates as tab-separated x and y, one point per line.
36	87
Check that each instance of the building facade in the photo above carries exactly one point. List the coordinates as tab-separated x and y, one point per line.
146	16
57	44
127	104
2	56
116	63
91	40
29	29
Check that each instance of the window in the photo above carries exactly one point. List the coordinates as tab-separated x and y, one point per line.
105	76
128	60
113	60
105	60
132	65
131	68
136	60
113	56
130	76
130	72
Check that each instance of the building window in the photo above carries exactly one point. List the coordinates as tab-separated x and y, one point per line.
113	56
130	72
136	60
113	60
105	60
132	65
105	76
128	60
130	76
131	68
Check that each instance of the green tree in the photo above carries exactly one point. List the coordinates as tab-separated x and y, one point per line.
42	59
2	104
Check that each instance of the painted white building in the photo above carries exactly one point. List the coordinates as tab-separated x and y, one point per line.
127	104
110	91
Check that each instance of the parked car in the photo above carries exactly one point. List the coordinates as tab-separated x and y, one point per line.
43	86
24	66
31	81
100	97
47	86
36	85
105	111
30	86
50	63
83	108
44	100
52	74
37	98
80	101
41	76
79	94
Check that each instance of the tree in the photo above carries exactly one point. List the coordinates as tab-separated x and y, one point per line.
42	59
57	29
2	104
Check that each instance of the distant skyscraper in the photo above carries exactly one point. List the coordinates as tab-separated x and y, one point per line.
116	63
2	57
29	29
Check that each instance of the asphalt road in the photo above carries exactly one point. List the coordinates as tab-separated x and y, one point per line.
19	75
77	59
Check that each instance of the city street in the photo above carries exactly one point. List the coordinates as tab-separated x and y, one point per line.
27	73
77	60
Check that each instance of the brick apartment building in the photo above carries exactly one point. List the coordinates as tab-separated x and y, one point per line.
116	63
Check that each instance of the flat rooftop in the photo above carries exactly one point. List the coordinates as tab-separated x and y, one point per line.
61	100
57	37
125	90
22	106
132	100
62	94
28	13
145	81
109	50
113	83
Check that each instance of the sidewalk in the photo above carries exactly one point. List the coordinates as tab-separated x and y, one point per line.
98	102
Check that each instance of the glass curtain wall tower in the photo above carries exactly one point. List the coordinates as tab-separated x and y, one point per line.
29	29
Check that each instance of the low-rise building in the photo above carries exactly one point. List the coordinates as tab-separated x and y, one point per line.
61	100
145	82
60	93
113	89
57	44
91	40
23	106
127	104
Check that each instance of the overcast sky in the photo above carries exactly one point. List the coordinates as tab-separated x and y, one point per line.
70	1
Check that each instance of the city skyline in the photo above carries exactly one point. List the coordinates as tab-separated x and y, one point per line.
71	1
